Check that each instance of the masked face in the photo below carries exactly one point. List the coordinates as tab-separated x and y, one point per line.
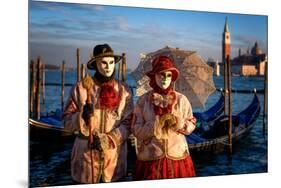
106	66
163	79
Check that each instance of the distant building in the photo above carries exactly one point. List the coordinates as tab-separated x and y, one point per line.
215	65
249	64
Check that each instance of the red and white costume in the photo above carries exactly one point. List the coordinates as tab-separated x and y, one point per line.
112	118
162	154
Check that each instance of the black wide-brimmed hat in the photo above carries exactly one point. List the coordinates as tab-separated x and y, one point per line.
100	51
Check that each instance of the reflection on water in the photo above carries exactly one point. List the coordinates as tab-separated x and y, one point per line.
50	162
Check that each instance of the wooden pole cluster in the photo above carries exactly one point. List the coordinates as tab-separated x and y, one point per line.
62	84
265	97
37	87
37	81
78	64
229	103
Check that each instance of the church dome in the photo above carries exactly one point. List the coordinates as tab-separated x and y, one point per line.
256	50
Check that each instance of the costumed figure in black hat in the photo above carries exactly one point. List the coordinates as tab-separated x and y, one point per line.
100	109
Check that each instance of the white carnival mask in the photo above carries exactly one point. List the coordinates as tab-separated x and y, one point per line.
106	66
164	79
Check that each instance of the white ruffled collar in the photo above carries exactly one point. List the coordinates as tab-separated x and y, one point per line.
163	101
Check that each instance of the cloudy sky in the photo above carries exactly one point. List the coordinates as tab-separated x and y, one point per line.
57	29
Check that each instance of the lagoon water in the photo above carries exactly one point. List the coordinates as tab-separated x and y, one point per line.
49	163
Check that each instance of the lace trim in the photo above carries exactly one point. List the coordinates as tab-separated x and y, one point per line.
163	101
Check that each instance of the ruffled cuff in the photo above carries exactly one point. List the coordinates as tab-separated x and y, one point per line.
84	129
188	126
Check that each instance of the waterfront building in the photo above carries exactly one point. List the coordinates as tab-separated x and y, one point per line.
249	64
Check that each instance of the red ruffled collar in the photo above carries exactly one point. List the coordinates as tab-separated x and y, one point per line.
109	97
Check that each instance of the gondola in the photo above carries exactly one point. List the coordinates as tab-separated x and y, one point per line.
49	128
212	113
215	138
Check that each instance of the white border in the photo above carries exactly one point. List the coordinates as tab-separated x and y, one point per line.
248	6
13	161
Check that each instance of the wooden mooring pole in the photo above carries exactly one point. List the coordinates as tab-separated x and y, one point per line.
90	54
229	103
32	88
225	86
82	71
124	67
265	97
78	64
43	82
62	84
38	84
119	70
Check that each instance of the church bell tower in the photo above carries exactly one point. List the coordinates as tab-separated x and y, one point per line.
225	42
225	53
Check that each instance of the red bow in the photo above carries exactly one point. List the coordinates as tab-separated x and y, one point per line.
109	98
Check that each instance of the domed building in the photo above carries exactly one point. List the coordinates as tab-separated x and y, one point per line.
249	64
256	50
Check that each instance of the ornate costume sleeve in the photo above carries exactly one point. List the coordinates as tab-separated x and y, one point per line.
119	134
142	129
187	123
72	113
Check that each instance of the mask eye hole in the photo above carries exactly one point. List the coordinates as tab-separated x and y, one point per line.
166	75
109	63
104	62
